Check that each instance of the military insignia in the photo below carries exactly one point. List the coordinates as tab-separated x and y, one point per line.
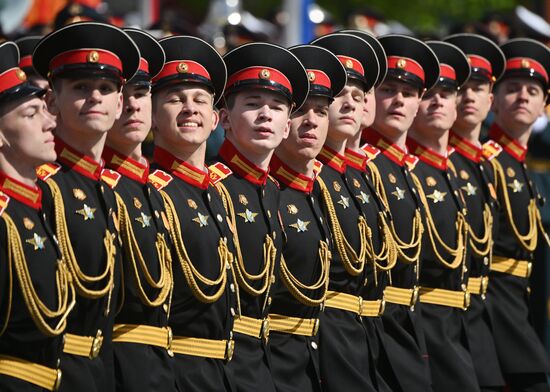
292	209
525	63
401	63
145	220
356	183
344	201
363	197
192	204
248	216
437	196
469	189
201	219
349	64
399	193
21	75
311	76
392	178
243	200
336	186
464	174
182	67
430	181
92	57
87	212
79	194
264	74
29	224
36	241
510	172
516	186
300	225
137	203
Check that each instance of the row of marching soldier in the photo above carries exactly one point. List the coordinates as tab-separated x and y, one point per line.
353	234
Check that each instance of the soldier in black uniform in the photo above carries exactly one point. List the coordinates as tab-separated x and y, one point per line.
443	269
142	338
476	182
520	97
347	356
86	64
203	300
36	291
302	280
412	68
265	83
26	47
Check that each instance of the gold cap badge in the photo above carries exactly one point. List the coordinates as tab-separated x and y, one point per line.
401	63
182	68
265	74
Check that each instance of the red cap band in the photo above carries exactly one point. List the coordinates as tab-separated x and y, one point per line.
526	63
350	62
181	67
446	71
11	78
254	73
480	62
406	64
25	61
143	65
85	56
318	77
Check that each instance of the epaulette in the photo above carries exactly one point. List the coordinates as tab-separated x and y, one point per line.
218	171
159	179
317	167
411	161
4	201
110	177
491	149
47	170
274	181
371	151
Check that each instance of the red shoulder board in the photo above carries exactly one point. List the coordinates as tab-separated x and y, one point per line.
317	167
47	170
4	201
110	177
491	149
371	151
218	171
159	179
411	161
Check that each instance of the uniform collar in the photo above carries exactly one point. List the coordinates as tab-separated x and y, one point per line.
77	161
188	173
465	147
331	158
427	155
512	146
356	160
391	150
31	196
125	165
238	163
290	177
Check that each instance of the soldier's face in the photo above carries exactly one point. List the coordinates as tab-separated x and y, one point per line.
257	122
474	102
26	132
135	121
437	111
518	103
346	112
396	106
308	129
86	105
369	109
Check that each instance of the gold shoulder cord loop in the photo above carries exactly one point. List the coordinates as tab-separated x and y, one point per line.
461	229
164	283
37	309
527	241
190	272
79	278
481	246
353	263
294	285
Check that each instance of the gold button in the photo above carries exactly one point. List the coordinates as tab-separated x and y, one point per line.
264	74
57	383
96	344
182	68
311	76
93	57
265	329
349	64
401	63
21	75
525	63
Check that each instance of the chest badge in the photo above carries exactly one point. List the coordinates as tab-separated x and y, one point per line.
192	204
392	178
300	225
243	200
336	186
344	201
137	203
469	189
464	175
399	193
516	186
37	242
510	172
28	223
363	197
437	196
248	216
356	183
292	209
87	212
430	181
145	220
201	219
79	194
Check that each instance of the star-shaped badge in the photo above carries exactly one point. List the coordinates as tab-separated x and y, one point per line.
344	201
399	193
363	197
469	189
144	220
300	225
87	212
36	241
201	219
516	186
248	216
437	196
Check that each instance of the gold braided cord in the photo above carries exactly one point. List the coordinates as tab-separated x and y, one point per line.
527	241
481	246
269	253
541	228
403	247
190	272
79	278
388	251
294	285
37	309
138	264
353	263
461	226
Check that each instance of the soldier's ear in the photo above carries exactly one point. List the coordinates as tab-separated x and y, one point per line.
225	119
119	104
